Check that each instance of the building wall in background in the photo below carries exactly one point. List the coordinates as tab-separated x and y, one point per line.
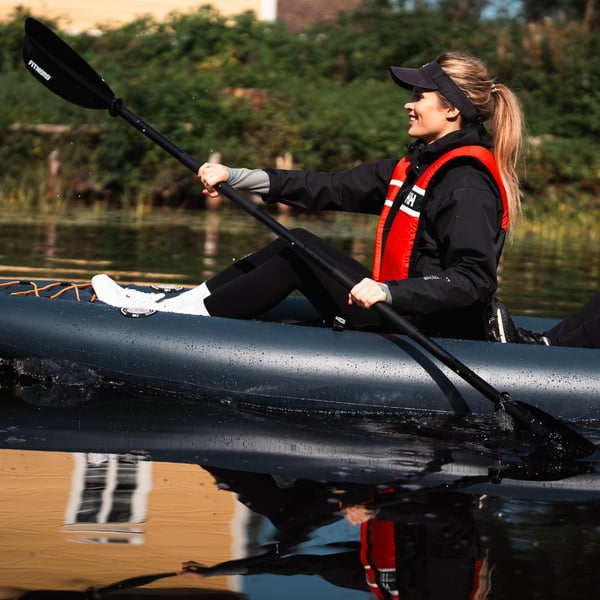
76	15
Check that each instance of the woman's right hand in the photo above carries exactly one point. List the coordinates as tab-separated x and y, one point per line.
366	293
210	174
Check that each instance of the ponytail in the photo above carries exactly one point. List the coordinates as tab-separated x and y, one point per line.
497	104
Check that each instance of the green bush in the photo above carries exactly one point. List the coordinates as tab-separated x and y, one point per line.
253	91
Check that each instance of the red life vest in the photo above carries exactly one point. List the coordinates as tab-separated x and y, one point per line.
378	556
391	263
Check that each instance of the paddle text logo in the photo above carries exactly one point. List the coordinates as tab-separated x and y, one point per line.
35	67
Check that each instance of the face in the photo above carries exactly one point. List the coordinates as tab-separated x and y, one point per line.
429	119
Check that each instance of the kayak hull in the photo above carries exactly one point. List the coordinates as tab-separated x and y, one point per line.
286	364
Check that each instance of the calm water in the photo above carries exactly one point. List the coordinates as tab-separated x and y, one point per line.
546	277
117	484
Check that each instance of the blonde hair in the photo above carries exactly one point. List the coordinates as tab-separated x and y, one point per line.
497	104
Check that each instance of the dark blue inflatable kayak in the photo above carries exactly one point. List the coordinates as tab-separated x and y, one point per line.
282	360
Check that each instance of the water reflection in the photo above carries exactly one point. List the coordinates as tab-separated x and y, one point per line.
254	535
122	527
411	544
119	485
108	498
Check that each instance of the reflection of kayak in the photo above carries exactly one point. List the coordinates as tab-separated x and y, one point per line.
286	364
438	451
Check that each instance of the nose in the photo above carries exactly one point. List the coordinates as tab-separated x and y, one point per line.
410	103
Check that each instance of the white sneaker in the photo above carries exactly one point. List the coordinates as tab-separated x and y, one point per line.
190	302
110	292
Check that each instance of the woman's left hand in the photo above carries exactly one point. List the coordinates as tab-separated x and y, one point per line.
211	174
191	568
366	293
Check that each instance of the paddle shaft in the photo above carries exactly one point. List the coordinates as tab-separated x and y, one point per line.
227	568
133	582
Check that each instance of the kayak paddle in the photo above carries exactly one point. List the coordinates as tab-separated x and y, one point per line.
57	66
130	583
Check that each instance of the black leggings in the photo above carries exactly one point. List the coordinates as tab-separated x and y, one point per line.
581	328
261	280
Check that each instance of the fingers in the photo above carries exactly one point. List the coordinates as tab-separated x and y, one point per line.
357	514
366	293
190	563
190	574
211	174
191	568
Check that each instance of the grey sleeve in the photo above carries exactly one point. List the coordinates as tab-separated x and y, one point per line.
250	180
386	290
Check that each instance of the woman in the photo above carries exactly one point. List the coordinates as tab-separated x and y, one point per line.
444	213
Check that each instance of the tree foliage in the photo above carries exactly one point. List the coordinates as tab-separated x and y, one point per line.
534	10
253	91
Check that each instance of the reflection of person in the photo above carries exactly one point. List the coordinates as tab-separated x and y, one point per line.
413	545
444	211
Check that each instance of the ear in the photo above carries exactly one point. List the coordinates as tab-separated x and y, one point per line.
452	113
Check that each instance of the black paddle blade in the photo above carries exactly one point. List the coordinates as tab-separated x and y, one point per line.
558	439
57	66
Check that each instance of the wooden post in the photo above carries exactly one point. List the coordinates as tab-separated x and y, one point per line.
54	180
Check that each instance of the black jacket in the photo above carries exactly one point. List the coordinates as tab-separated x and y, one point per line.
452	274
